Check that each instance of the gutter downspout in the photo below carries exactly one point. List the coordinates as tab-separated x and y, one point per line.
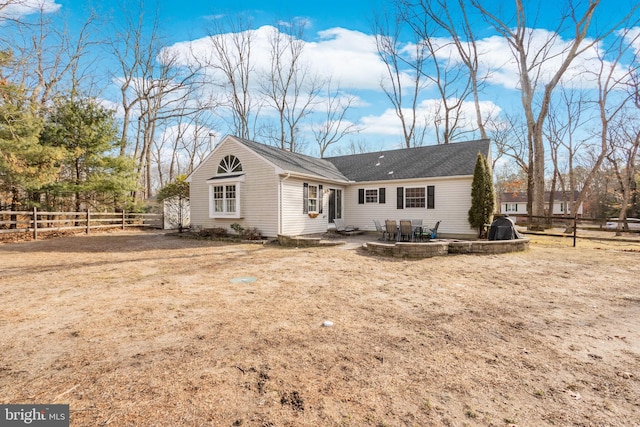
280	204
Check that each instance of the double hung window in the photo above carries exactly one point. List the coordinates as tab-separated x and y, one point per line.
224	189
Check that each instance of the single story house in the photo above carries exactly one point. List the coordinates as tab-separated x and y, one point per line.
515	203
284	193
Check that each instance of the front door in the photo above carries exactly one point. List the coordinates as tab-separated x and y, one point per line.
335	204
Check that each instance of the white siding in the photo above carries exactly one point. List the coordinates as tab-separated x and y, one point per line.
452	204
258	193
516	208
522	208
294	220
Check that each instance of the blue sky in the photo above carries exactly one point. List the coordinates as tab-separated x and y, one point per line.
339	42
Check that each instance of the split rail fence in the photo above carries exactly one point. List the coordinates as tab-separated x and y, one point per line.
36	221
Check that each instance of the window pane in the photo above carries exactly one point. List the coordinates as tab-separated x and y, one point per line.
414	197
313	198
371	196
229	164
218	192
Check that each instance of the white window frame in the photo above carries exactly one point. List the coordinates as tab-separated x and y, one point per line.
423	197
315	199
225	182
371	195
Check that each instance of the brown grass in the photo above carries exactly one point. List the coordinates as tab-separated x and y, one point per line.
147	329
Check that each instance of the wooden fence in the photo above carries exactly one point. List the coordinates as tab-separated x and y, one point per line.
35	221
576	228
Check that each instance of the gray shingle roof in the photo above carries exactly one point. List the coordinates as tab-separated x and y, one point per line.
454	159
294	162
420	162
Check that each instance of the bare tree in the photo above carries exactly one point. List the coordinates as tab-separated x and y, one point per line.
561	130
182	145
47	57
458	27
403	89
335	125
289	85
455	63
532	79
612	100
510	138
155	85
624	142
233	69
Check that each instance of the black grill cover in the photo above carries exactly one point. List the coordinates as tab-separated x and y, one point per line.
502	228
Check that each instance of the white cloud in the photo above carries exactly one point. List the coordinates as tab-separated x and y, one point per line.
348	57
632	37
387	123
546	51
19	8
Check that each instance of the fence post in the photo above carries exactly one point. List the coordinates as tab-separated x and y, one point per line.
35	223
123	218
88	220
575	230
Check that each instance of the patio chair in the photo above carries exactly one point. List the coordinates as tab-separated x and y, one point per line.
416	226
380	229
392	228
342	228
406	231
430	233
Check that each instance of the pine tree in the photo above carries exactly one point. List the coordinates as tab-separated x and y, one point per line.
26	166
482	195
92	170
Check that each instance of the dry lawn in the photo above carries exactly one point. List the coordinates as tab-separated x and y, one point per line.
148	329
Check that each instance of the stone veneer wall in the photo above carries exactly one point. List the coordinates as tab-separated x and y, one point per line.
432	249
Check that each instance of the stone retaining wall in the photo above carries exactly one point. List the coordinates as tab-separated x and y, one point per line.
409	249
297	241
440	248
306	241
489	246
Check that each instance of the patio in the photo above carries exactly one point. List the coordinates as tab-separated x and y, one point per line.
426	249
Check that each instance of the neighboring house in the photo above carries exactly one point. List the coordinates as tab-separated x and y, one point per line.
516	203
284	193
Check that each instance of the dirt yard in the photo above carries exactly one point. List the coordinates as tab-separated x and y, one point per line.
148	329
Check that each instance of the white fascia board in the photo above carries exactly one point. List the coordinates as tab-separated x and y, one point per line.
317	178
215	148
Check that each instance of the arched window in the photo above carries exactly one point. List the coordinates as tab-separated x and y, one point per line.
229	164
225	189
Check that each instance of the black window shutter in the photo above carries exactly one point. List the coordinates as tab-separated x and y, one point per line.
320	198
361	196
381	195
400	198
305	198
431	197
